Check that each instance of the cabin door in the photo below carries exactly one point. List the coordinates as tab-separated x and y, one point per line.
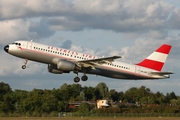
137	70
29	45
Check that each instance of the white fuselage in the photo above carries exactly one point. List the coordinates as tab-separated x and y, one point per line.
45	54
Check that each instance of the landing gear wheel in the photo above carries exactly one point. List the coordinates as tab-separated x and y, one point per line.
24	67
76	79
84	78
25	62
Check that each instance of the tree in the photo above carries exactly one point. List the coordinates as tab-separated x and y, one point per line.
70	91
84	108
178	101
7	103
159	98
49	103
113	94
37	101
4	89
6	98
170	96
174	101
103	90
132	95
33	102
19	96
89	93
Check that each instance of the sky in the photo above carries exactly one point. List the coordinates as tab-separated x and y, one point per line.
132	29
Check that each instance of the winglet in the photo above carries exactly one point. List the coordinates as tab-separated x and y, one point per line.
157	59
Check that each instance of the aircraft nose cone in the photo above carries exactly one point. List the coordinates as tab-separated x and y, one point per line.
6	48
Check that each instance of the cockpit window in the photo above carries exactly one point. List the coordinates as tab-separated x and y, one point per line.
17	44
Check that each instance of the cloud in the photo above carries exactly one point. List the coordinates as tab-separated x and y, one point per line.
26	9
21	29
139	27
76	15
119	16
174	19
12	66
41	29
12	30
66	44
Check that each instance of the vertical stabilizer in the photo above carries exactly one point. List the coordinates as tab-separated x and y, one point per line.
157	59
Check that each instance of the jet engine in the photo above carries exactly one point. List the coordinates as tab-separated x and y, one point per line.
53	69
64	65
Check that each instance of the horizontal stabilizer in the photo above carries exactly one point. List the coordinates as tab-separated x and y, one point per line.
161	73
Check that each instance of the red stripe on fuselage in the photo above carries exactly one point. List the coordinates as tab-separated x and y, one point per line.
155	65
20	48
164	49
107	67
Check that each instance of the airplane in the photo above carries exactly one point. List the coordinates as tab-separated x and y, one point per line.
60	60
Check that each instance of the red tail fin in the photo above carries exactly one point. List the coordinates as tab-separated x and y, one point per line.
157	59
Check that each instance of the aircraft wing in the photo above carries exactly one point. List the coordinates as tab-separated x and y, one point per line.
99	61
161	73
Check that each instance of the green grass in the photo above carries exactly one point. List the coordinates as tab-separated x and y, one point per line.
87	118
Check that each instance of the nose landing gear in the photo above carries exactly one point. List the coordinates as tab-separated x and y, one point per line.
25	62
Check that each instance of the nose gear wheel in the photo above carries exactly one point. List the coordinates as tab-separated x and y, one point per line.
25	62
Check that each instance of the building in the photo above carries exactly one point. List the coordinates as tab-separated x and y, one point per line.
104	103
76	104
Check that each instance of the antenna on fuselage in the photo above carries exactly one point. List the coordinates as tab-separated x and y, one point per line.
31	40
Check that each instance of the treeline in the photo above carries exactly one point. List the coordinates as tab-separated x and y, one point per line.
38	101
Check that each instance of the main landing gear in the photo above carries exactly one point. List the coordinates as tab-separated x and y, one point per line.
83	78
76	79
25	62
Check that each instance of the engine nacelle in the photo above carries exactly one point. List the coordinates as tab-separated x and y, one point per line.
64	65
53	69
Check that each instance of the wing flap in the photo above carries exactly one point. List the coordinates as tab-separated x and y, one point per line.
102	60
94	62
